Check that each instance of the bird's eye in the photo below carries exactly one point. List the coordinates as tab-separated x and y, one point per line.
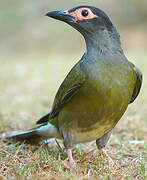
85	13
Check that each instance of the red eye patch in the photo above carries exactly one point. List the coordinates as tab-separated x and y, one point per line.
83	14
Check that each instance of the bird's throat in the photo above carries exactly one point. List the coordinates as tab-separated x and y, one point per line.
102	42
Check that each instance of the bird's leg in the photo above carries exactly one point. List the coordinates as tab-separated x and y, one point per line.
69	162
70	159
105	154
101	143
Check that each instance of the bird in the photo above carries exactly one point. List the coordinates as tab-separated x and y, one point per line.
95	93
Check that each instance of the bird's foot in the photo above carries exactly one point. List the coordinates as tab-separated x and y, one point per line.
105	154
69	162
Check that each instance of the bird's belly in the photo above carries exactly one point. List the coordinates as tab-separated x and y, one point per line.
92	127
88	116
91	134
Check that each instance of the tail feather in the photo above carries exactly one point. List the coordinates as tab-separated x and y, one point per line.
30	136
34	135
20	134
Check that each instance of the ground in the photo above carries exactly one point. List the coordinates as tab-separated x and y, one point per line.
28	85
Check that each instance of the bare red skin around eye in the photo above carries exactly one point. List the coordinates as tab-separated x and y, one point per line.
77	14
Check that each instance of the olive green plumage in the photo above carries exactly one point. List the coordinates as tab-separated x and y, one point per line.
92	99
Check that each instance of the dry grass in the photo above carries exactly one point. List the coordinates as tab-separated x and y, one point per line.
27	90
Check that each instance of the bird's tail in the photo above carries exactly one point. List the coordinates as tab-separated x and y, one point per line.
35	135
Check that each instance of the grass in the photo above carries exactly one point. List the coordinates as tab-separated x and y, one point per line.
28	85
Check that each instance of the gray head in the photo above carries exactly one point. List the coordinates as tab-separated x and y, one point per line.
91	22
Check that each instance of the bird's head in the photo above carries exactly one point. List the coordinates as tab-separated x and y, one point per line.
93	24
86	19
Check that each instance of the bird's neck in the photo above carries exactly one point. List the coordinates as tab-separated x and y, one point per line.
103	43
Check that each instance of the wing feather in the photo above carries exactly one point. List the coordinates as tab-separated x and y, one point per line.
70	86
137	84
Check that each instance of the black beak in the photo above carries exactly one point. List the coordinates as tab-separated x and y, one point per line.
62	15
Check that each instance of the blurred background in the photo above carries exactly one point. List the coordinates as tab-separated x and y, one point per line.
37	52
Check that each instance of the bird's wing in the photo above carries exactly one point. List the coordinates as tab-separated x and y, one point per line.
43	119
137	84
70	86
